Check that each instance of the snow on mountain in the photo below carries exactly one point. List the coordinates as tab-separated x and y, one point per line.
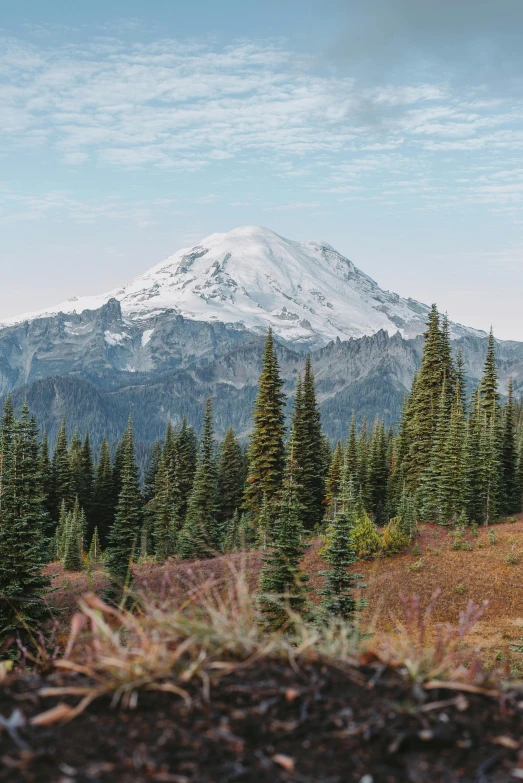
253	277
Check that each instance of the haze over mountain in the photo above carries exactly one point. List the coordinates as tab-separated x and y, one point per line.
252	277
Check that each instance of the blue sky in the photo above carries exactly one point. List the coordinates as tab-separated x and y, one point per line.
393	129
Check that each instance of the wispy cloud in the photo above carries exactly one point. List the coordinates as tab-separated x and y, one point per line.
175	105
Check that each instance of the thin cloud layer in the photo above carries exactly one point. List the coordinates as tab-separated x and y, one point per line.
173	105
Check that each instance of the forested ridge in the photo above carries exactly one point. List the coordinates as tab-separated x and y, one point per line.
456	459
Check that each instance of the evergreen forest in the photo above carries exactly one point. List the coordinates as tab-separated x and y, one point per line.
455	459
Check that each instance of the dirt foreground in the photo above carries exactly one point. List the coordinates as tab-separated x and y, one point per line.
268	723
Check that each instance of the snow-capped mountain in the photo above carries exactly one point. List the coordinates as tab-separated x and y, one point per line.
252	277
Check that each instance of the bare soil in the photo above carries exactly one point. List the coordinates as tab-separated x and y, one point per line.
269	723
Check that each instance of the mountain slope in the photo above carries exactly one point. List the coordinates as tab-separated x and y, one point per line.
252	277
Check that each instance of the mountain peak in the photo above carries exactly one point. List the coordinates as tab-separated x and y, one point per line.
253	277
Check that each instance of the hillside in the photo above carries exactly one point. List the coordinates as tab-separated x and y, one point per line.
491	570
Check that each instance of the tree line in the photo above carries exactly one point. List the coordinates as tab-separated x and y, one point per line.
456	458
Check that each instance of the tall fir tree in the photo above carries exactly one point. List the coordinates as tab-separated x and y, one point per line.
266	452
351	454
76	464
363	464
510	496
231	477
186	453
424	405
473	466
312	471
44	469
451	486
200	536
22	520
103	508
86	484
334	480
166	505
283	590
149	497
124	534
117	468
488	388
151	471
429	495
73	548
461	379
378	473
61	476
338	591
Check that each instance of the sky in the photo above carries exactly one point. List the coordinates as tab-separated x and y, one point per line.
392	129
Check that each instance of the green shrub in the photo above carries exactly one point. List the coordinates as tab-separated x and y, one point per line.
365	537
393	539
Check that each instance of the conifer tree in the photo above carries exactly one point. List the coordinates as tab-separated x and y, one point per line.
266	452
282	582
186	451
44	470
363	463
473	467
351	454
407	514
265	524
311	458
151	471
461	380
61	476
326	457
165	511
230	477
103	508
488	388
86	483
123	536
451	488
117	468
247	531
95	549
510	496
231	541
448	368
76	464
429	495
22	519
338	591
425	403
378	473
60	533
73	538
200	534
401	450
150	504
492	469
520	475
334	480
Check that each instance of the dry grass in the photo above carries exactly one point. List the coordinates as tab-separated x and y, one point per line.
166	641
480	574
483	573
199	628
